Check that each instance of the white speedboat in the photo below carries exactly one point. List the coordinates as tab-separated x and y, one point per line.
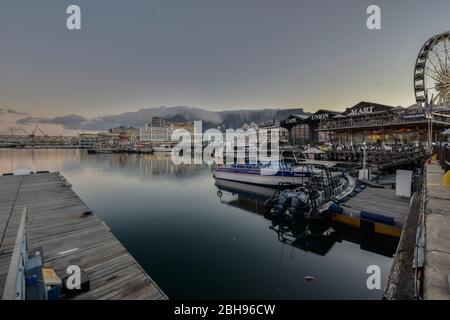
270	174
162	148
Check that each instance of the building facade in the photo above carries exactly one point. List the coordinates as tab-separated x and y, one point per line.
381	124
368	122
127	133
92	140
298	129
160	130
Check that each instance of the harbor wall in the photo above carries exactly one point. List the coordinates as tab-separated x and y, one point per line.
400	284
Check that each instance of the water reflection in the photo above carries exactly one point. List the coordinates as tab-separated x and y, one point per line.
55	160
196	245
308	235
159	164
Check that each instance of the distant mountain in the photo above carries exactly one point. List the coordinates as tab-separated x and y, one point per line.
228	119
237	118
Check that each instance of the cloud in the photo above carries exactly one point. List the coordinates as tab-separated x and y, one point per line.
231	119
135	118
72	121
2	110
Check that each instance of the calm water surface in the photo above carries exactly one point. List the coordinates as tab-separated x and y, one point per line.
196	242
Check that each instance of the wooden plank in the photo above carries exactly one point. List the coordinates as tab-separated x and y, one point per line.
381	201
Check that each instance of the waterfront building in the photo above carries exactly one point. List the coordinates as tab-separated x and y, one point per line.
381	124
155	134
367	122
298	129
186	125
282	132
158	122
127	133
88	140
160	130
313	121
91	140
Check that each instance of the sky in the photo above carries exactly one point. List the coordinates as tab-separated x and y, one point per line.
217	55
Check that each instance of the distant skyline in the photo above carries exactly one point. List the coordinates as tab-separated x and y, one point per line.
217	55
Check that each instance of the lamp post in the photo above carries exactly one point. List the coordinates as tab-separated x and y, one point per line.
365	173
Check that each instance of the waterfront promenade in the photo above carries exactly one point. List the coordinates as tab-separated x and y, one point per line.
437	220
69	234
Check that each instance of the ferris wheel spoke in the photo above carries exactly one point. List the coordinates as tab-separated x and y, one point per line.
439	58
447	54
434	67
434	77
437	97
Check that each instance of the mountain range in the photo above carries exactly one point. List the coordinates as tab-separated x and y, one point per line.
227	119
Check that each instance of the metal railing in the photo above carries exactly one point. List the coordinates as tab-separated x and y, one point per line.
357	123
15	282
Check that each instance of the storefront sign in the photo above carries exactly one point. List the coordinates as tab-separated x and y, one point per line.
321	116
291	121
362	110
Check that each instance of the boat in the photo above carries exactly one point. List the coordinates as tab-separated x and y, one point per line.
314	198
245	189
269	174
162	148
311	200
100	151
292	168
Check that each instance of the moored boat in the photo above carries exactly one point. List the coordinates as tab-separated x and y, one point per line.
270	174
162	148
313	198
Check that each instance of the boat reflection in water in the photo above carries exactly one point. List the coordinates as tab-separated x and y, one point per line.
316	236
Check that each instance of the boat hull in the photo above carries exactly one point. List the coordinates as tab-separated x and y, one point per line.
158	149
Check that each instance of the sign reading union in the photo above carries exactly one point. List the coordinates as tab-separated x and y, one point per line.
320	116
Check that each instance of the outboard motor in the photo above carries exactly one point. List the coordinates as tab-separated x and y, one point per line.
283	199
300	204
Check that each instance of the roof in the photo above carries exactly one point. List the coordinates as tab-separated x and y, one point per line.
367	107
327	111
300	116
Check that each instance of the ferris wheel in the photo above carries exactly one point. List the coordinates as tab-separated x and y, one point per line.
432	71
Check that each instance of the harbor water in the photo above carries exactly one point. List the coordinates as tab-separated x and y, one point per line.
202	240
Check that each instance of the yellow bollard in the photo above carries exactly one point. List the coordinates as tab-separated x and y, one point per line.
446	179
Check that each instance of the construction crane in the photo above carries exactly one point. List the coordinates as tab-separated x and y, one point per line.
37	129
42	132
12	129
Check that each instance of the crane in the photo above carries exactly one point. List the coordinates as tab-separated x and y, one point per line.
37	129
12	129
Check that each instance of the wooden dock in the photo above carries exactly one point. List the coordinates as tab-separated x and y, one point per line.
383	202
58	224
391	210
